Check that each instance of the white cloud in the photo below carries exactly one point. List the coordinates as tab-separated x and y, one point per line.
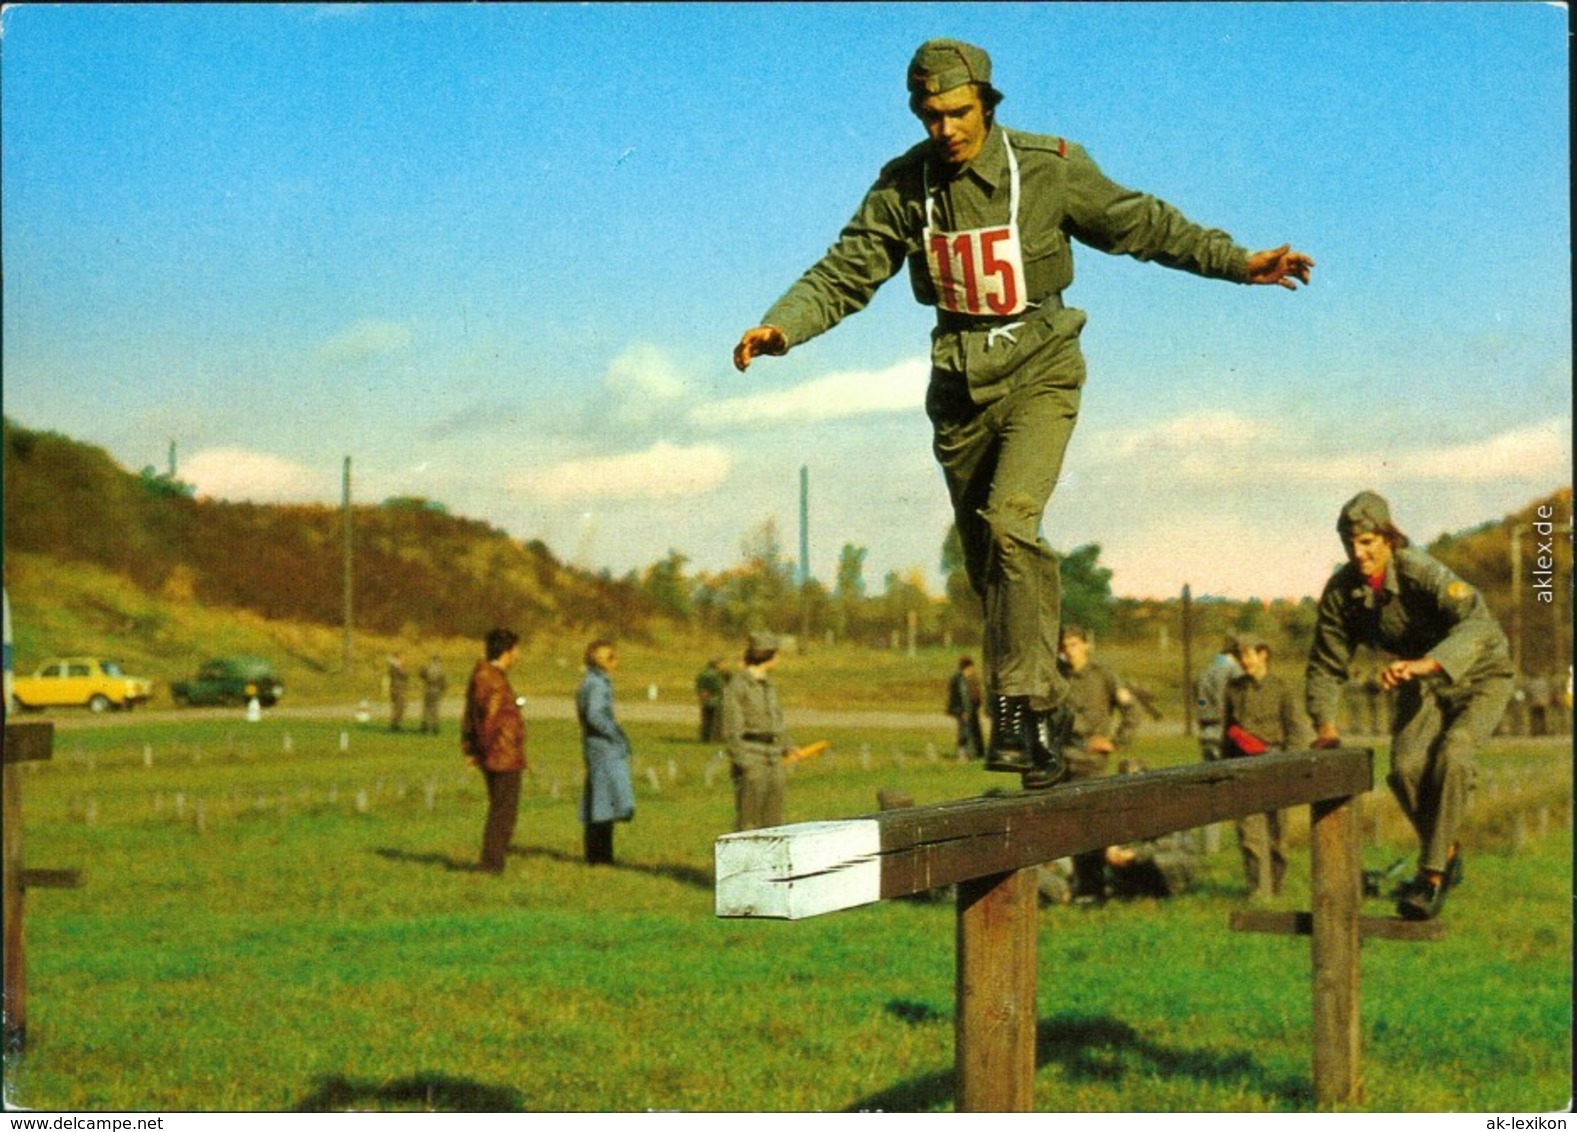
365	339
645	371
644	383
1213	431
1226	449
238	474
1541	453
898	388
663	471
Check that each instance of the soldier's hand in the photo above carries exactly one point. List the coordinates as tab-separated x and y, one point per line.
759	340
1280	266
1401	671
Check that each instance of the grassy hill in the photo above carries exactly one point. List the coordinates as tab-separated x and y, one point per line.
418	570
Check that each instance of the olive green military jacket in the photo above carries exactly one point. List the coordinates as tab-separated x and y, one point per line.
752	721
1266	709
1094	696
1063	196
1422	609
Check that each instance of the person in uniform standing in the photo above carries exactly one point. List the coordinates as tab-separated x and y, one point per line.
965	696
757	742
709	685
1452	677
397	678
983	216
607	795
1105	717
1210	693
433	684
1259	715
493	738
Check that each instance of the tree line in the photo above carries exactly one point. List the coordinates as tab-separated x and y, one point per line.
421	570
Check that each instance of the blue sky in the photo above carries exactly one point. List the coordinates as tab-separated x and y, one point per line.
498	255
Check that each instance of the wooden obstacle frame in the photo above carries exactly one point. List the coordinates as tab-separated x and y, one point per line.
990	846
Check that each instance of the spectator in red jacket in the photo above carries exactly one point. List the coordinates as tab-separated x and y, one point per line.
493	737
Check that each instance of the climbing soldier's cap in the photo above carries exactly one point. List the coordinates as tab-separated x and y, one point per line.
942	64
1365	513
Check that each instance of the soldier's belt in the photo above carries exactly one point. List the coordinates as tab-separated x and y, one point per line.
759	737
953	321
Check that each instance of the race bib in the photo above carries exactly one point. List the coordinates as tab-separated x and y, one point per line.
980	271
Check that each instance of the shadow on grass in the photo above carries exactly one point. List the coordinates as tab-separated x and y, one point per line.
1093	1049
422	1092
440	860
683	874
914	1013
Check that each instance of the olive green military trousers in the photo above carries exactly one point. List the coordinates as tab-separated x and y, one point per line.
1264	852
759	785
1437	730
1001	461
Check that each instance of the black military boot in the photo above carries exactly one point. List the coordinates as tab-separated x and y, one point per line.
1051	732
1012	735
1424	897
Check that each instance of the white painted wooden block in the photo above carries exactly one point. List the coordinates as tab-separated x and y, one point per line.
790	872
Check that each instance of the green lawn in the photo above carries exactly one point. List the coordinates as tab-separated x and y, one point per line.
273	925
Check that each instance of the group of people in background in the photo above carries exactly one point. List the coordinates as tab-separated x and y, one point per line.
493	739
1451	673
1448	665
396	681
742	709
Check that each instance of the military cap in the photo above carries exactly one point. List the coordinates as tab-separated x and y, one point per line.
762	642
1250	642
1365	513
942	64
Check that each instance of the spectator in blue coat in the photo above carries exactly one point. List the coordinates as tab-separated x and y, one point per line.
607	796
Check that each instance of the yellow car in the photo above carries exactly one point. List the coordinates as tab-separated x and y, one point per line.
80	681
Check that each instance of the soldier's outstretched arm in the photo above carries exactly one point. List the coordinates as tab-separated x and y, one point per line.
759	340
1279	266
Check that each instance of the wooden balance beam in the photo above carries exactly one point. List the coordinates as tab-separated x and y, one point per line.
989	847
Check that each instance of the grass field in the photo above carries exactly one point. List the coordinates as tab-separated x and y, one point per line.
269	922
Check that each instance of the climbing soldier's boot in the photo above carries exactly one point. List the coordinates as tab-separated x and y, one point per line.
1012	740
1052	733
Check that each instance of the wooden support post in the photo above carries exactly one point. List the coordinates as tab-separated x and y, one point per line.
24	742
994	1018
15	967
1338	889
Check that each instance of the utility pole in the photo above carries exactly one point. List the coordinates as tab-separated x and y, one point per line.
1188	660
804	554
349	588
